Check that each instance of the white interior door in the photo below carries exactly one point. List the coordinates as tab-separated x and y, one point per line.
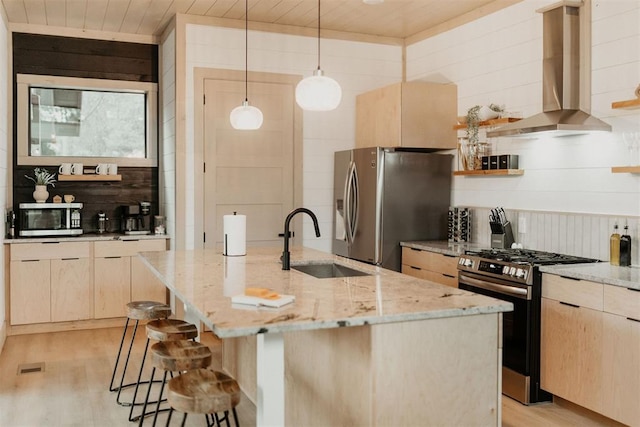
248	172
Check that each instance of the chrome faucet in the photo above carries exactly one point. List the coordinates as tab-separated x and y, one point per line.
285	254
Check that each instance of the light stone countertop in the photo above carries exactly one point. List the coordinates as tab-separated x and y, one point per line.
443	247
600	272
88	237
205	281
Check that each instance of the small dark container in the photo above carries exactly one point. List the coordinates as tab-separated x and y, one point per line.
493	162
485	162
508	161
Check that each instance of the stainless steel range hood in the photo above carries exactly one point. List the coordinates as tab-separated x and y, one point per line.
562	113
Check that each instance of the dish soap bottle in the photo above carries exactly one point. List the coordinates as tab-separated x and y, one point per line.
614	249
625	248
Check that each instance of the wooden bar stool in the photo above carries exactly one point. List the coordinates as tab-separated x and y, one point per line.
174	356
136	310
162	330
203	391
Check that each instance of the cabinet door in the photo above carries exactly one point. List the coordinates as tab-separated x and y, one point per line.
30	291
71	289
621	365
144	284
571	353
112	286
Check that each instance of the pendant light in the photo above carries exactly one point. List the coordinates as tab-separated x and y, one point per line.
318	92
246	117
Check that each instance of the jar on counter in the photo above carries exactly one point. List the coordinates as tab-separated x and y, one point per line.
159	224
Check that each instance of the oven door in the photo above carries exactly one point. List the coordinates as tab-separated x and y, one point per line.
516	344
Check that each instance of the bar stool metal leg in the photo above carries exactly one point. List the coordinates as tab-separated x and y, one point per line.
115	368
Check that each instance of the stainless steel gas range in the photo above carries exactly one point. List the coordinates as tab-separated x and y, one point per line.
513	275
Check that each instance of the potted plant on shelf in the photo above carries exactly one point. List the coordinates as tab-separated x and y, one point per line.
41	179
475	115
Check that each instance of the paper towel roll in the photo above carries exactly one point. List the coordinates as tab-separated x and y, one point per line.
235	235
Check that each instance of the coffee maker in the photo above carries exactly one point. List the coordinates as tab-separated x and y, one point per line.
133	218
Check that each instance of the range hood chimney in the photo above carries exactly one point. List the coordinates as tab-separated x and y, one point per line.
561	114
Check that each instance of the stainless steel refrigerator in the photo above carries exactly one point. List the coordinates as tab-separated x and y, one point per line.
383	196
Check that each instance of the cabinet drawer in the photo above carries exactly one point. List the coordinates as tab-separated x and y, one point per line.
432	276
114	248
622	301
582	293
57	250
430	261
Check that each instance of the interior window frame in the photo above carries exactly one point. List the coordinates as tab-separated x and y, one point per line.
25	81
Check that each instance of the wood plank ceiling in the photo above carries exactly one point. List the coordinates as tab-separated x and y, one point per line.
398	19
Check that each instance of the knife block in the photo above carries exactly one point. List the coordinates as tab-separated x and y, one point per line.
503	240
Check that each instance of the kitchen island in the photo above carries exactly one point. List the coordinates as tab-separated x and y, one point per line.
381	349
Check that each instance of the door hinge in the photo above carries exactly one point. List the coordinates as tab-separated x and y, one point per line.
204	98
204	237
204	167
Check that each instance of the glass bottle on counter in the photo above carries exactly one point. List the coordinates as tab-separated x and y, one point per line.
625	248
614	246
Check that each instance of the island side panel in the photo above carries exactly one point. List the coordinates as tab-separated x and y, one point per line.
328	377
441	371
239	361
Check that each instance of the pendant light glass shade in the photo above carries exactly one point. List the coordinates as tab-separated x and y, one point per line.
246	117
318	92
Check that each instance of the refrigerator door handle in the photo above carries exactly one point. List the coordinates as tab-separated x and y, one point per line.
347	203
354	214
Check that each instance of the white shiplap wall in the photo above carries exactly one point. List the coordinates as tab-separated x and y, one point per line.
5	141
167	154
498	59
357	66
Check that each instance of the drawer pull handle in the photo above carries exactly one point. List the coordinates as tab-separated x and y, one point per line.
450	256
570	278
449	275
29	260
69	259
633	290
417	250
415	268
633	320
569	304
131	240
50	243
112	257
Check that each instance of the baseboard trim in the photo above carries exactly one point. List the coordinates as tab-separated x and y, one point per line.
66	326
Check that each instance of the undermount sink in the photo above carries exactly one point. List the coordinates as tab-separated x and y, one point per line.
328	270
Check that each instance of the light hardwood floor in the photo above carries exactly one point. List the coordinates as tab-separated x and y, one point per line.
73	388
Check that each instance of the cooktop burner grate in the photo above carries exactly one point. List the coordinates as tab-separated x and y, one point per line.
528	256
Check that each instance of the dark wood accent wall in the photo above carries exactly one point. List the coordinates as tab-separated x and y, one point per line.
96	59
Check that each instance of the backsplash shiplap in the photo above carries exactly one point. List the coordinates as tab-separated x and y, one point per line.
566	233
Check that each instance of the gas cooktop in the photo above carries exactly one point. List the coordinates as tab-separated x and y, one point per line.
527	256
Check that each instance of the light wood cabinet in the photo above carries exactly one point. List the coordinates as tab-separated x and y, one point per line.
71	289
433	266
407	114
50	282
120	276
76	281
590	346
112	281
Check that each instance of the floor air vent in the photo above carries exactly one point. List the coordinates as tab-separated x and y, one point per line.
28	368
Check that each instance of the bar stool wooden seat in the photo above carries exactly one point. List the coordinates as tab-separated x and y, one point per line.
175	356
203	391
138	311
161	330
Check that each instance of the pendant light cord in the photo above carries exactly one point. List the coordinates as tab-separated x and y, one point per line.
246	50
318	34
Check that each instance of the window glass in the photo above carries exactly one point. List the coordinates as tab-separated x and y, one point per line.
87	123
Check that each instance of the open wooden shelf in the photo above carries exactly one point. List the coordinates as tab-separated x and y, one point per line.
89	177
625	169
631	104
490	172
492	122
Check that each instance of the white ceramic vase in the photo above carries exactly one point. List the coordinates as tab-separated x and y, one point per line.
41	194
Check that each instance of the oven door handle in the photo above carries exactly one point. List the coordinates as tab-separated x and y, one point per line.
513	291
